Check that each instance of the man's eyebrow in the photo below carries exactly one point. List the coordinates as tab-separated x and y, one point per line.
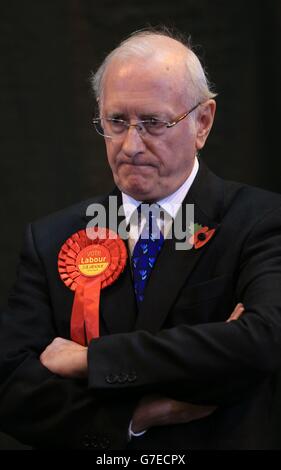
116	114
155	114
143	115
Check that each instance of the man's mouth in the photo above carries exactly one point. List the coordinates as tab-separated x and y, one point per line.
137	165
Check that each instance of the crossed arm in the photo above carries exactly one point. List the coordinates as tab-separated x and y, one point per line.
69	359
230	357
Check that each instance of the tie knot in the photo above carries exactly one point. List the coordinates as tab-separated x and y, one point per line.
148	210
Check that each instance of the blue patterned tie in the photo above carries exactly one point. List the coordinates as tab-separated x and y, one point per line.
146	250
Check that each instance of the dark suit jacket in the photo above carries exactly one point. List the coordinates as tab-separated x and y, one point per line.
178	344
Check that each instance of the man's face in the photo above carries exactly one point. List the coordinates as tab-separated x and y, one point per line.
148	167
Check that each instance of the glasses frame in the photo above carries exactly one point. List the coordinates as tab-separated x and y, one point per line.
140	125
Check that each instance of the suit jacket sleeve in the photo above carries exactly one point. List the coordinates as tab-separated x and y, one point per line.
36	406
214	362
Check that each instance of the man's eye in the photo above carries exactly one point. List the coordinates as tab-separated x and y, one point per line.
154	123
116	125
116	121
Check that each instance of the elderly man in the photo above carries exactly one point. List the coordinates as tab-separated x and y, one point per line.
167	367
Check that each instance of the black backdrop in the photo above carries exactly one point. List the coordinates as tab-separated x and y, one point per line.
51	157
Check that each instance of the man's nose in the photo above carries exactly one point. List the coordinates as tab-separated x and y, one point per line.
133	142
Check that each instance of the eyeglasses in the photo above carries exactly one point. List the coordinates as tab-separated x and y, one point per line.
113	128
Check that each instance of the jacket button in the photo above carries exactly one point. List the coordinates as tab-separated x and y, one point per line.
90	441
132	377
86	441
94	444
111	378
122	378
104	443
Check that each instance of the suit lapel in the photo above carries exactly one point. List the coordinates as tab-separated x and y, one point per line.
118	304
174	267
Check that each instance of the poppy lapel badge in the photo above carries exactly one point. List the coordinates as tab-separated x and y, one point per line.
200	235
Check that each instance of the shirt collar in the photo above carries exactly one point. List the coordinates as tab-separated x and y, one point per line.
170	204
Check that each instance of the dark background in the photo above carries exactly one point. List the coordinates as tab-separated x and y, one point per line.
50	155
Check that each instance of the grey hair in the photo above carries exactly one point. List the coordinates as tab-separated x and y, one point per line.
140	44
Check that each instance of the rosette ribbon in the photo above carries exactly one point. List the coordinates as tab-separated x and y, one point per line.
86	265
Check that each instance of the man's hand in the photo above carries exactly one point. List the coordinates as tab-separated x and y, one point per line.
65	358
156	410
237	312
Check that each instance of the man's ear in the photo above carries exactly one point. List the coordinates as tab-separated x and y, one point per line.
204	122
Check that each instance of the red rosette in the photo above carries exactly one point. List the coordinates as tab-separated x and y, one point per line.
89	261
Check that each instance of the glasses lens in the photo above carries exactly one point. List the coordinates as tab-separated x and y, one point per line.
154	127
114	127
111	128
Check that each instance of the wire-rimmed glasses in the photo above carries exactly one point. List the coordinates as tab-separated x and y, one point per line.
115	128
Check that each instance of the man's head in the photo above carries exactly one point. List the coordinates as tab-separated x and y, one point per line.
152	76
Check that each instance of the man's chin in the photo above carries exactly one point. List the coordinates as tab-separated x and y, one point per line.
138	194
137	187
137	191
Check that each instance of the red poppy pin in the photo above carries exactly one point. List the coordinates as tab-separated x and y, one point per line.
200	235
